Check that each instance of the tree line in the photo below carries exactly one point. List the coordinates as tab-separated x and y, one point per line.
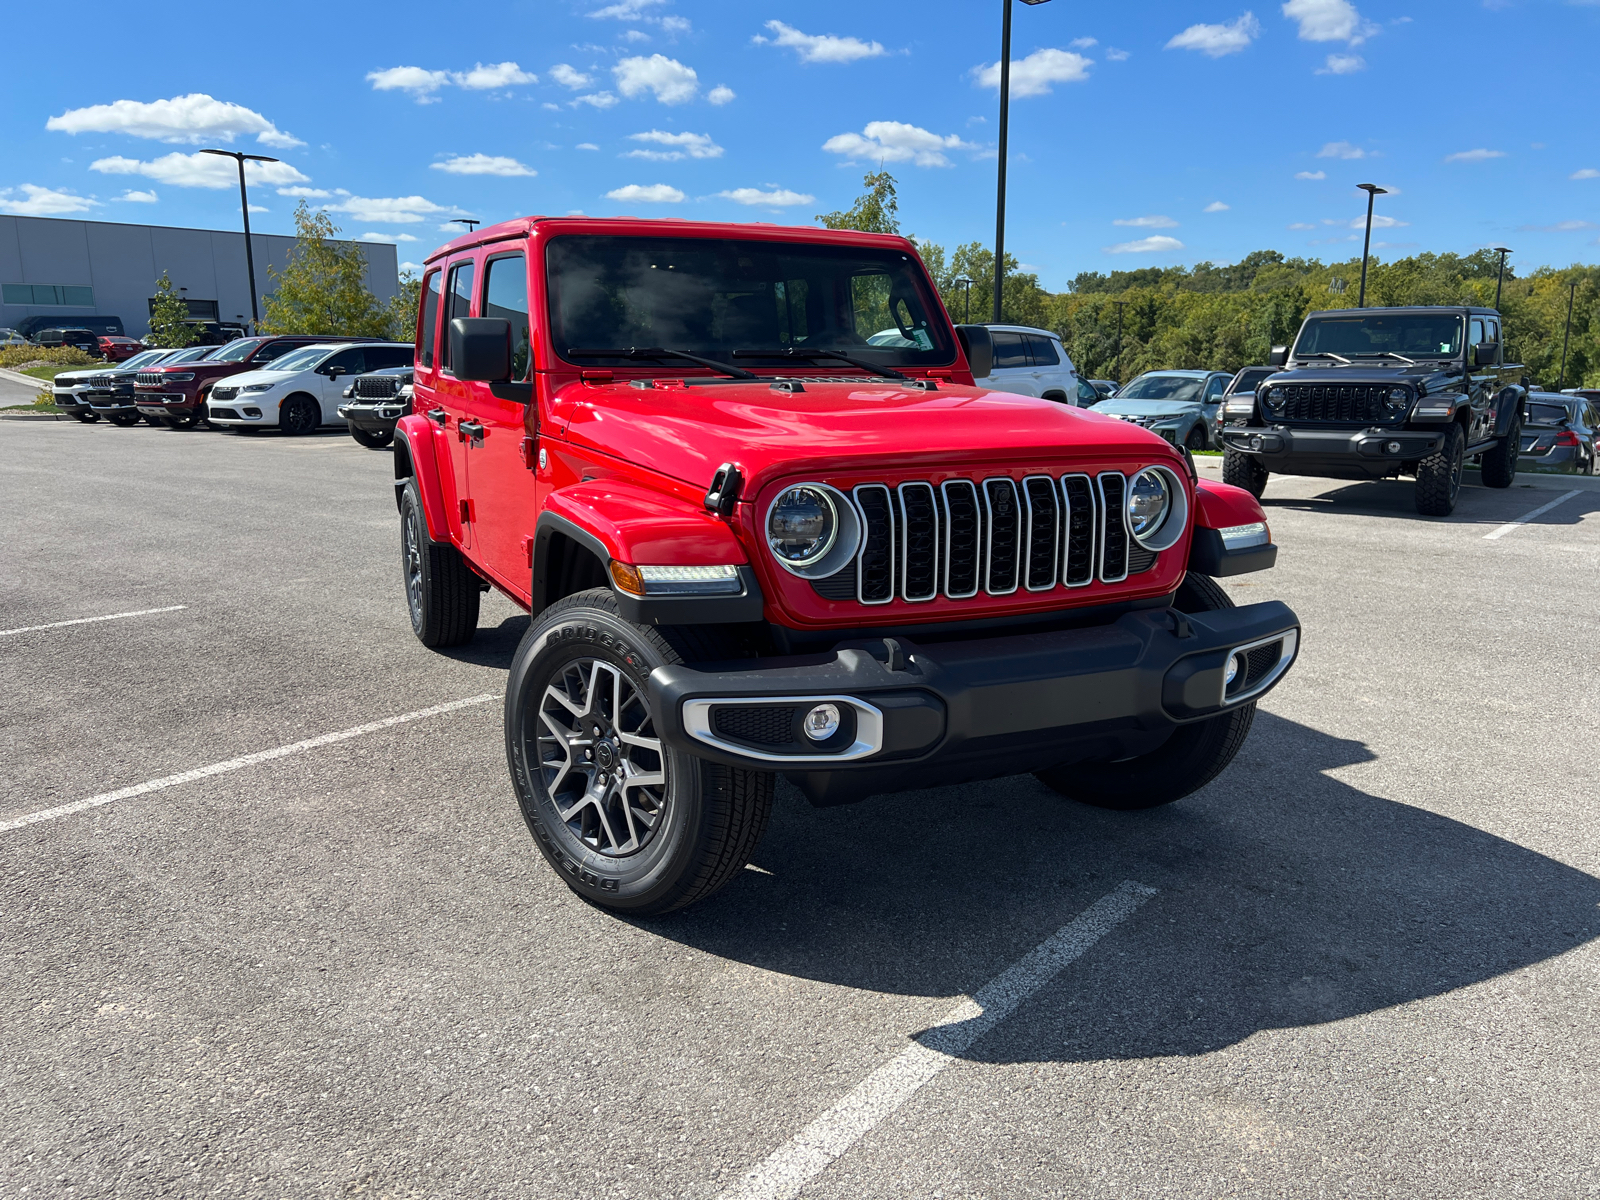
1226	317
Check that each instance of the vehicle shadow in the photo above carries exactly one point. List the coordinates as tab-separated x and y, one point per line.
1285	898
492	646
1477	505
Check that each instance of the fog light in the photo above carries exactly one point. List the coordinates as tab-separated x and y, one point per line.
1391	447
822	722
1255	443
1233	671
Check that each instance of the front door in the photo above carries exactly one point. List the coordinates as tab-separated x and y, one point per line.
333	385
1485	379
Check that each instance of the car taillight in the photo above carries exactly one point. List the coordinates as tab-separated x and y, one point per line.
1566	439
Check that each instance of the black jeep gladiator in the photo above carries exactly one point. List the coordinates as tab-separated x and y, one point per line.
1374	393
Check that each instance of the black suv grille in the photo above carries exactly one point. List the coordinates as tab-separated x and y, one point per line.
1355	403
376	387
224	393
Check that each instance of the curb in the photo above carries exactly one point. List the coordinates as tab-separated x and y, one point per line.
11	376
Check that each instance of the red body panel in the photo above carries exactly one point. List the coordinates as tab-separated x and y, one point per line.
1221	506
640	525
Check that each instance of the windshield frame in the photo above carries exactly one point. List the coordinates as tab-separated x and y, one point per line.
248	345
1350	317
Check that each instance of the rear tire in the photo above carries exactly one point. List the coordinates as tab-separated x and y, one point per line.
1241	470
299	415
1499	466
679	827
372	439
149	420
1439	475
1191	758
125	420
441	590
88	418
182	420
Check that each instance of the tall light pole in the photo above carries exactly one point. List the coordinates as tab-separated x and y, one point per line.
1005	112
1572	294
966	293
244	203
1372	190
1502	251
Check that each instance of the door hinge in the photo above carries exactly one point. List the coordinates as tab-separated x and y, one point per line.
528	452
527	547
466	512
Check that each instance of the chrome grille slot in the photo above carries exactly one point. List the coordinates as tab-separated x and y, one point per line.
919	542
1113	530
963	538
1003	533
1043	532
1078	491
875	572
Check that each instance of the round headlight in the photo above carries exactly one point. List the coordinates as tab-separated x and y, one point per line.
1397	399
802	525
1275	399
1149	501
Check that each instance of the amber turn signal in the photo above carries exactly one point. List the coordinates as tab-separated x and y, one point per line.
627	578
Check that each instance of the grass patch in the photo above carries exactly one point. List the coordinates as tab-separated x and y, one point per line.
47	373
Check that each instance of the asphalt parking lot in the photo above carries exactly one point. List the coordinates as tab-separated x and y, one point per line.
1361	963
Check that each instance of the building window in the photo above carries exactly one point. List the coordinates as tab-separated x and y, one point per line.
51	294
199	310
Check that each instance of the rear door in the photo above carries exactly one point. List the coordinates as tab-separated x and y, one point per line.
450	395
354	362
1049	375
1013	364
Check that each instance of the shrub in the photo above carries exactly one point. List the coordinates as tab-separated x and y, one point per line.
38	356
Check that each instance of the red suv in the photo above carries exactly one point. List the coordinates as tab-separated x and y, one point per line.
177	394
754	543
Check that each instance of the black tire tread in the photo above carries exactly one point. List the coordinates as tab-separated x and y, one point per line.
1433	477
370	439
1499	466
1242	471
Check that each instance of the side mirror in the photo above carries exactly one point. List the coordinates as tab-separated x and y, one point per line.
1484	354
978	346
1278	357
336	371
480	349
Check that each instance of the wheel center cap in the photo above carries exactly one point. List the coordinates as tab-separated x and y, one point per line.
604	755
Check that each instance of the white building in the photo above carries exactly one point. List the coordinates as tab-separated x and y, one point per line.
63	270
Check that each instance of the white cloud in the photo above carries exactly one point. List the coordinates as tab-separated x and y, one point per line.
497	75
1218	40
819	47
636	35
1147	222
1151	245
669	79
193	119
200	170
389	239
1342	64
1083	43
681	145
586	146
675	25
1215	206
1341	150
1329	21
42	202
416	81
391	210
1115	55
721	94
1379	221
1302	225
597	100
258	208
1559	227
777	198
627	10
1032	76
133	197
1311	175
654	193
305	193
570	77
1586	173
483	164
895	141
1474	155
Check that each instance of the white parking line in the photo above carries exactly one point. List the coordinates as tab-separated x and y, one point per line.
1526	517
806	1155
143	612
236	764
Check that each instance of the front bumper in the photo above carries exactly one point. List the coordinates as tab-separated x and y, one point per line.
70	402
1354	452
159	404
112	403
918	716
250	411
375	416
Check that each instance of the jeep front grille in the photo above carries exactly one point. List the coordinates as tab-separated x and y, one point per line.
993	536
148	379
1355	403
376	387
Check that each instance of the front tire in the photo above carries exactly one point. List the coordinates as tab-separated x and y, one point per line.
150	420
1439	475
441	590
1191	758
629	823
123	419
1242	470
372	439
183	420
88	418
1500	463
299	415
1196	439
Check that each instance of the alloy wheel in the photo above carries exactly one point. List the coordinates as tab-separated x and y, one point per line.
413	553
1458	462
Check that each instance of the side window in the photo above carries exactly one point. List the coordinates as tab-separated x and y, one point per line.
430	315
1009	350
1216	387
457	303
352	360
1477	332
379	357
273	350
1043	350
505	294
1086	394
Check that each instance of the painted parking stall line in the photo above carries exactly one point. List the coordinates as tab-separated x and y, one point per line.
143	612
1496	534
238	764
806	1155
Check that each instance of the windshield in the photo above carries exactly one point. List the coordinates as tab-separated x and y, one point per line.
142	358
1376	332
1162	387
713	297
299	360
192	354
236	351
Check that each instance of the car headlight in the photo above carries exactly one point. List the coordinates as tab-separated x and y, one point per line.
1397	399
1275	400
258	387
177	377
812	530
1156	508
1240	406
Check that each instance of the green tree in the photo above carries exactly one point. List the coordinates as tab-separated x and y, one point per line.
170	327
323	289
876	210
401	310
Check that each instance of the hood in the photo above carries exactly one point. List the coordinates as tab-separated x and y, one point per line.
687	430
260	375
1147	408
1334	374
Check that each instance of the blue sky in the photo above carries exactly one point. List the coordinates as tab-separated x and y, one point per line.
1141	134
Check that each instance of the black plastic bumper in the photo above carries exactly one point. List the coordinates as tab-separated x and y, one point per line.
1344	451
977	709
368	415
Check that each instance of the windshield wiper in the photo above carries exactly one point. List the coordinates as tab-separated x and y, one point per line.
661	352
1410	362
807	352
1324	354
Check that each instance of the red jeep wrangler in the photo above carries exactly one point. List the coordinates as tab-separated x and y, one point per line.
753	542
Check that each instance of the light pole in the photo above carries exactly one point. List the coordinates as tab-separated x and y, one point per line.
1005	111
966	293
1500	275
1572	294
244	203
1121	304
1372	190
470	222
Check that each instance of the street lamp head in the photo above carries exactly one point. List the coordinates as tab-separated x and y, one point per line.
1036	1
470	222
241	157
1373	189
1502	249
259	158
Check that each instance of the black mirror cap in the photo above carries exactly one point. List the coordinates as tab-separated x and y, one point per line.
1278	356
1484	354
480	349
335	371
978	346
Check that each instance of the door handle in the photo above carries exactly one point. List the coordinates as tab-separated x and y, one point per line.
438	417
471	432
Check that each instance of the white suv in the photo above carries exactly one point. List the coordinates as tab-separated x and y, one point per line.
1032	362
301	390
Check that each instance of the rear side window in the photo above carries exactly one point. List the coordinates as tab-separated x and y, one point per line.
457	303
274	350
1043	350
379	357
1547	414
1009	350
505	295
430	315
